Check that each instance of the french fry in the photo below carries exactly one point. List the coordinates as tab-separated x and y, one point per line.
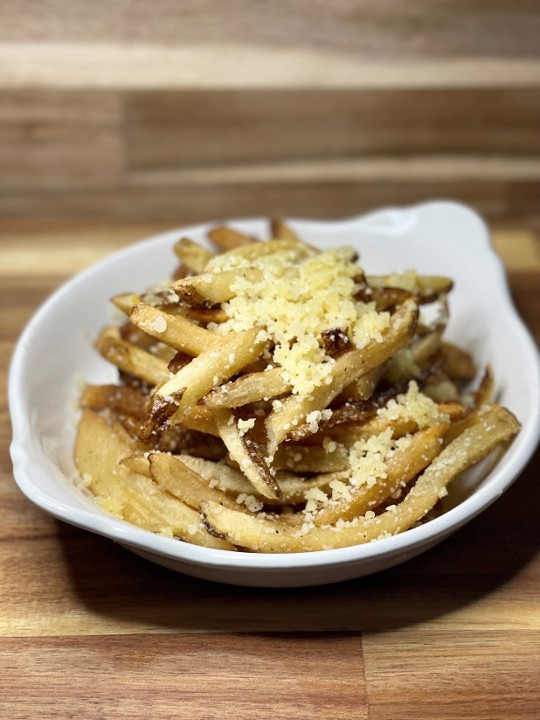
248	389
364	387
175	330
211	368
213	288
248	456
126	302
422	448
174	476
281	231
136	463
131	359
225	238
425	287
99	449
270	536
311	459
122	399
233	482
192	255
458	363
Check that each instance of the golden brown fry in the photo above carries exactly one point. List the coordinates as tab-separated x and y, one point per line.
211	368
126	302
233	482
312	459
175	330
409	362
247	454
486	388
425	287
137	463
281	231
422	448
99	448
192	255
269	536
249	388
174	476
213	288
122	399
227	238
131	359
458	363
365	386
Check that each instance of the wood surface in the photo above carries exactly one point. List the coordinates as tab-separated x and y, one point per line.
143	111
90	631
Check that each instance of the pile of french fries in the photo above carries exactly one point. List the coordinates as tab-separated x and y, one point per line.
205	438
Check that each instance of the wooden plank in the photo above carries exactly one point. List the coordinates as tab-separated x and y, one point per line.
57	140
272	130
197	677
183	203
44	65
414	672
418	28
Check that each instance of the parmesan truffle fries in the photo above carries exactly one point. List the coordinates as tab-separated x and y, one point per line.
275	398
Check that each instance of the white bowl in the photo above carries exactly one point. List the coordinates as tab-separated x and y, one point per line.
56	349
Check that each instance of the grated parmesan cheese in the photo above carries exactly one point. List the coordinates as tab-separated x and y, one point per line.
412	405
158	324
367	459
295	303
245	425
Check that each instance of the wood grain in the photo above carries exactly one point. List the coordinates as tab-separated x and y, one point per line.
155	111
89	630
193	676
452	675
366	28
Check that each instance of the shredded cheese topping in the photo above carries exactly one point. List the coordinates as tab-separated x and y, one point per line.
295	303
412	405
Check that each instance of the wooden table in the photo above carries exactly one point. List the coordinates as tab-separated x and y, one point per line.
88	630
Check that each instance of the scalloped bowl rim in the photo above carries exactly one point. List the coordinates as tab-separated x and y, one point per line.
35	480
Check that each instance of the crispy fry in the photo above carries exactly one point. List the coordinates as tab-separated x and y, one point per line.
135	498
247	454
458	363
211	368
306	458
213	288
192	255
174	476
126	302
426	287
270	536
422	448
122	399
281	231
248	389
175	330
130	358
227	239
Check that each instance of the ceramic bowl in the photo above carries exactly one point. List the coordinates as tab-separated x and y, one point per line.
56	349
